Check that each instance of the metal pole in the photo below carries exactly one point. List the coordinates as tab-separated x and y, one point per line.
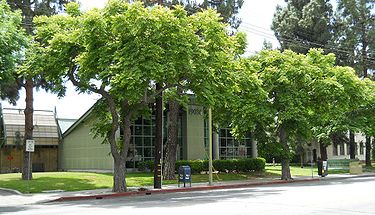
162	149
158	137
210	146
312	168
28	173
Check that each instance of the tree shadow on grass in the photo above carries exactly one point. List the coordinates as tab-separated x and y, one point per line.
46	183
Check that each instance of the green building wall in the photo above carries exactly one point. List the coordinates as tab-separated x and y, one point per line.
80	151
195	147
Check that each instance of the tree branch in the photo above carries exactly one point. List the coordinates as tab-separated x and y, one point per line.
111	105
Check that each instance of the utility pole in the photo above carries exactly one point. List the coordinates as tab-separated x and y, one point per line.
209	146
158	137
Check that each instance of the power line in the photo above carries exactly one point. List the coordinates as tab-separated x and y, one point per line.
302	43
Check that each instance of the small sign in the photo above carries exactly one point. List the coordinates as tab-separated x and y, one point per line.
30	145
10	157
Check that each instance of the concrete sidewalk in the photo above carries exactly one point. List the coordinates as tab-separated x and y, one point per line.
9	198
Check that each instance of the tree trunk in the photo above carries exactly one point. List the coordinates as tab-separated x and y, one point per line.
368	151
285	168
159	138
119	178
352	144
27	156
27	18
119	167
323	151
119	175
365	43
172	139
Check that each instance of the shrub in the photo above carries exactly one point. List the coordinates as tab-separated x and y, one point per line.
241	165
224	165
146	165
259	164
197	166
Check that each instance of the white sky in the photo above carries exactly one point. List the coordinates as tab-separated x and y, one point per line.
256	18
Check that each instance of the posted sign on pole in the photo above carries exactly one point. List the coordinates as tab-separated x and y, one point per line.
30	145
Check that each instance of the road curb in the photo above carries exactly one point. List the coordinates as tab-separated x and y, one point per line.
176	190
11	191
347	177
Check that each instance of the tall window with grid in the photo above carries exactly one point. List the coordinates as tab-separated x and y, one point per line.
230	147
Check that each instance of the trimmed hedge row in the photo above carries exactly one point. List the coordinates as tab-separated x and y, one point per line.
197	166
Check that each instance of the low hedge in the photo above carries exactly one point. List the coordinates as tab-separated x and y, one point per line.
197	166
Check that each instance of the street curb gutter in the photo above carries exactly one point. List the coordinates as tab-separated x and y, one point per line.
11	191
345	178
175	190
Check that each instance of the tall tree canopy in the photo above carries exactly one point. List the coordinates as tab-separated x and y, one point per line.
28	79
13	40
296	89
228	10
354	35
349	33
121	51
303	24
354	45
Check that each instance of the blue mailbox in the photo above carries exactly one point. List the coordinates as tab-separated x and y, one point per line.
184	175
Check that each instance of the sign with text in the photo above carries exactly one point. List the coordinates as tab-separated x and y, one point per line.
30	145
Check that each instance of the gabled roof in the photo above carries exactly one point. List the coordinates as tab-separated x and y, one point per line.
65	124
44	123
45	131
77	122
88	112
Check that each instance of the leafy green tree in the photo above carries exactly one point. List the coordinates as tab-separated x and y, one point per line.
303	24
298	89
348	94
354	42
121	51
12	41
354	35
267	45
228	10
363	117
17	139
369	125
29	79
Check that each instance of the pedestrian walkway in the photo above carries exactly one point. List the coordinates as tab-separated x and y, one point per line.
12	198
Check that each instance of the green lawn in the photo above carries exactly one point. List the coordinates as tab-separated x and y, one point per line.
295	170
74	181
69	181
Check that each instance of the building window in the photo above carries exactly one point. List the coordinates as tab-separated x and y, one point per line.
231	148
142	141
356	148
361	148
335	151
342	149
347	149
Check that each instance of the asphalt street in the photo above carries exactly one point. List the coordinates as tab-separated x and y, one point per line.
345	196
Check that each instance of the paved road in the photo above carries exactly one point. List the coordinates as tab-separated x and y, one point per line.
341	197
